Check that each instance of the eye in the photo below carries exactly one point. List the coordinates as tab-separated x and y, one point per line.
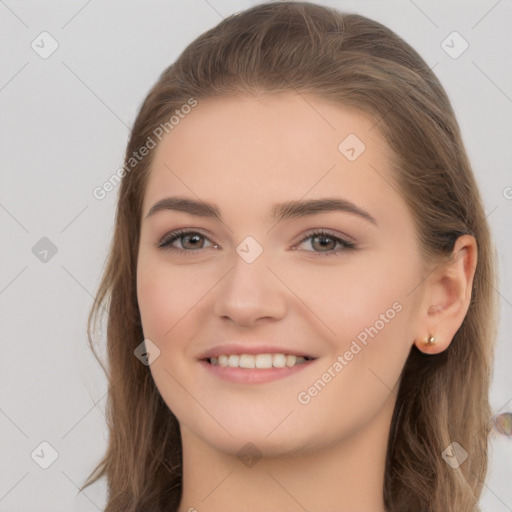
322	242
190	240
326	242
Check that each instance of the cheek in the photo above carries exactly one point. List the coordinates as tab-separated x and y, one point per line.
373	326
365	290
164	295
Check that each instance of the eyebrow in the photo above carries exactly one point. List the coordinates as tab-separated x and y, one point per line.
279	212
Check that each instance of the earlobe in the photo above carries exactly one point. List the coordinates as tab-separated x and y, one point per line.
447	297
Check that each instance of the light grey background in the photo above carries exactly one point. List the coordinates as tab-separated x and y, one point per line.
64	126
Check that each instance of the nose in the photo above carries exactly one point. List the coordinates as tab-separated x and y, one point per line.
250	292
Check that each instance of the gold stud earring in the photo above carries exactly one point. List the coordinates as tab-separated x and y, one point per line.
431	340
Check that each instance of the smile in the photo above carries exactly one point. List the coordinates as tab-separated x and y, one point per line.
260	361
255	368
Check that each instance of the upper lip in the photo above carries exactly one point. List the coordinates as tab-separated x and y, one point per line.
234	348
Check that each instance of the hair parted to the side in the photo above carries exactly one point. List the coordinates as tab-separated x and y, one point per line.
351	61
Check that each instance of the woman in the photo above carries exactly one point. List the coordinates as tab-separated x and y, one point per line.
300	284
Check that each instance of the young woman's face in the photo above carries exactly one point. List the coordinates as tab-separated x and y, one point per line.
257	280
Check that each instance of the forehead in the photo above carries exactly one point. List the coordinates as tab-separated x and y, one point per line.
252	149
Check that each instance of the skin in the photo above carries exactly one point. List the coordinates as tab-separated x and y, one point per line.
245	153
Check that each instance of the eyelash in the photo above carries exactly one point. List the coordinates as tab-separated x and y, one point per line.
167	240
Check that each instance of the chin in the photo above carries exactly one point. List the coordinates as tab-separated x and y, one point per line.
260	437
256	445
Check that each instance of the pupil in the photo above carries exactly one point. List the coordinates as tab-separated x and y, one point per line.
324	240
193	237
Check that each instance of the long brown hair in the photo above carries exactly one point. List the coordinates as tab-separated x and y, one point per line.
354	61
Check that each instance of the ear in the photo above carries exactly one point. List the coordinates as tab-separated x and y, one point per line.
447	295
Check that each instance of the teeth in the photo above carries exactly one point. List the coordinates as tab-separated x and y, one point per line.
233	360
291	360
261	361
247	361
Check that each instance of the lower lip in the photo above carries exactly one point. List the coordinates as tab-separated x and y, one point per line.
253	375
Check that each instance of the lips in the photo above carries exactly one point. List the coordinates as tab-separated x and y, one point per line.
250	349
243	373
